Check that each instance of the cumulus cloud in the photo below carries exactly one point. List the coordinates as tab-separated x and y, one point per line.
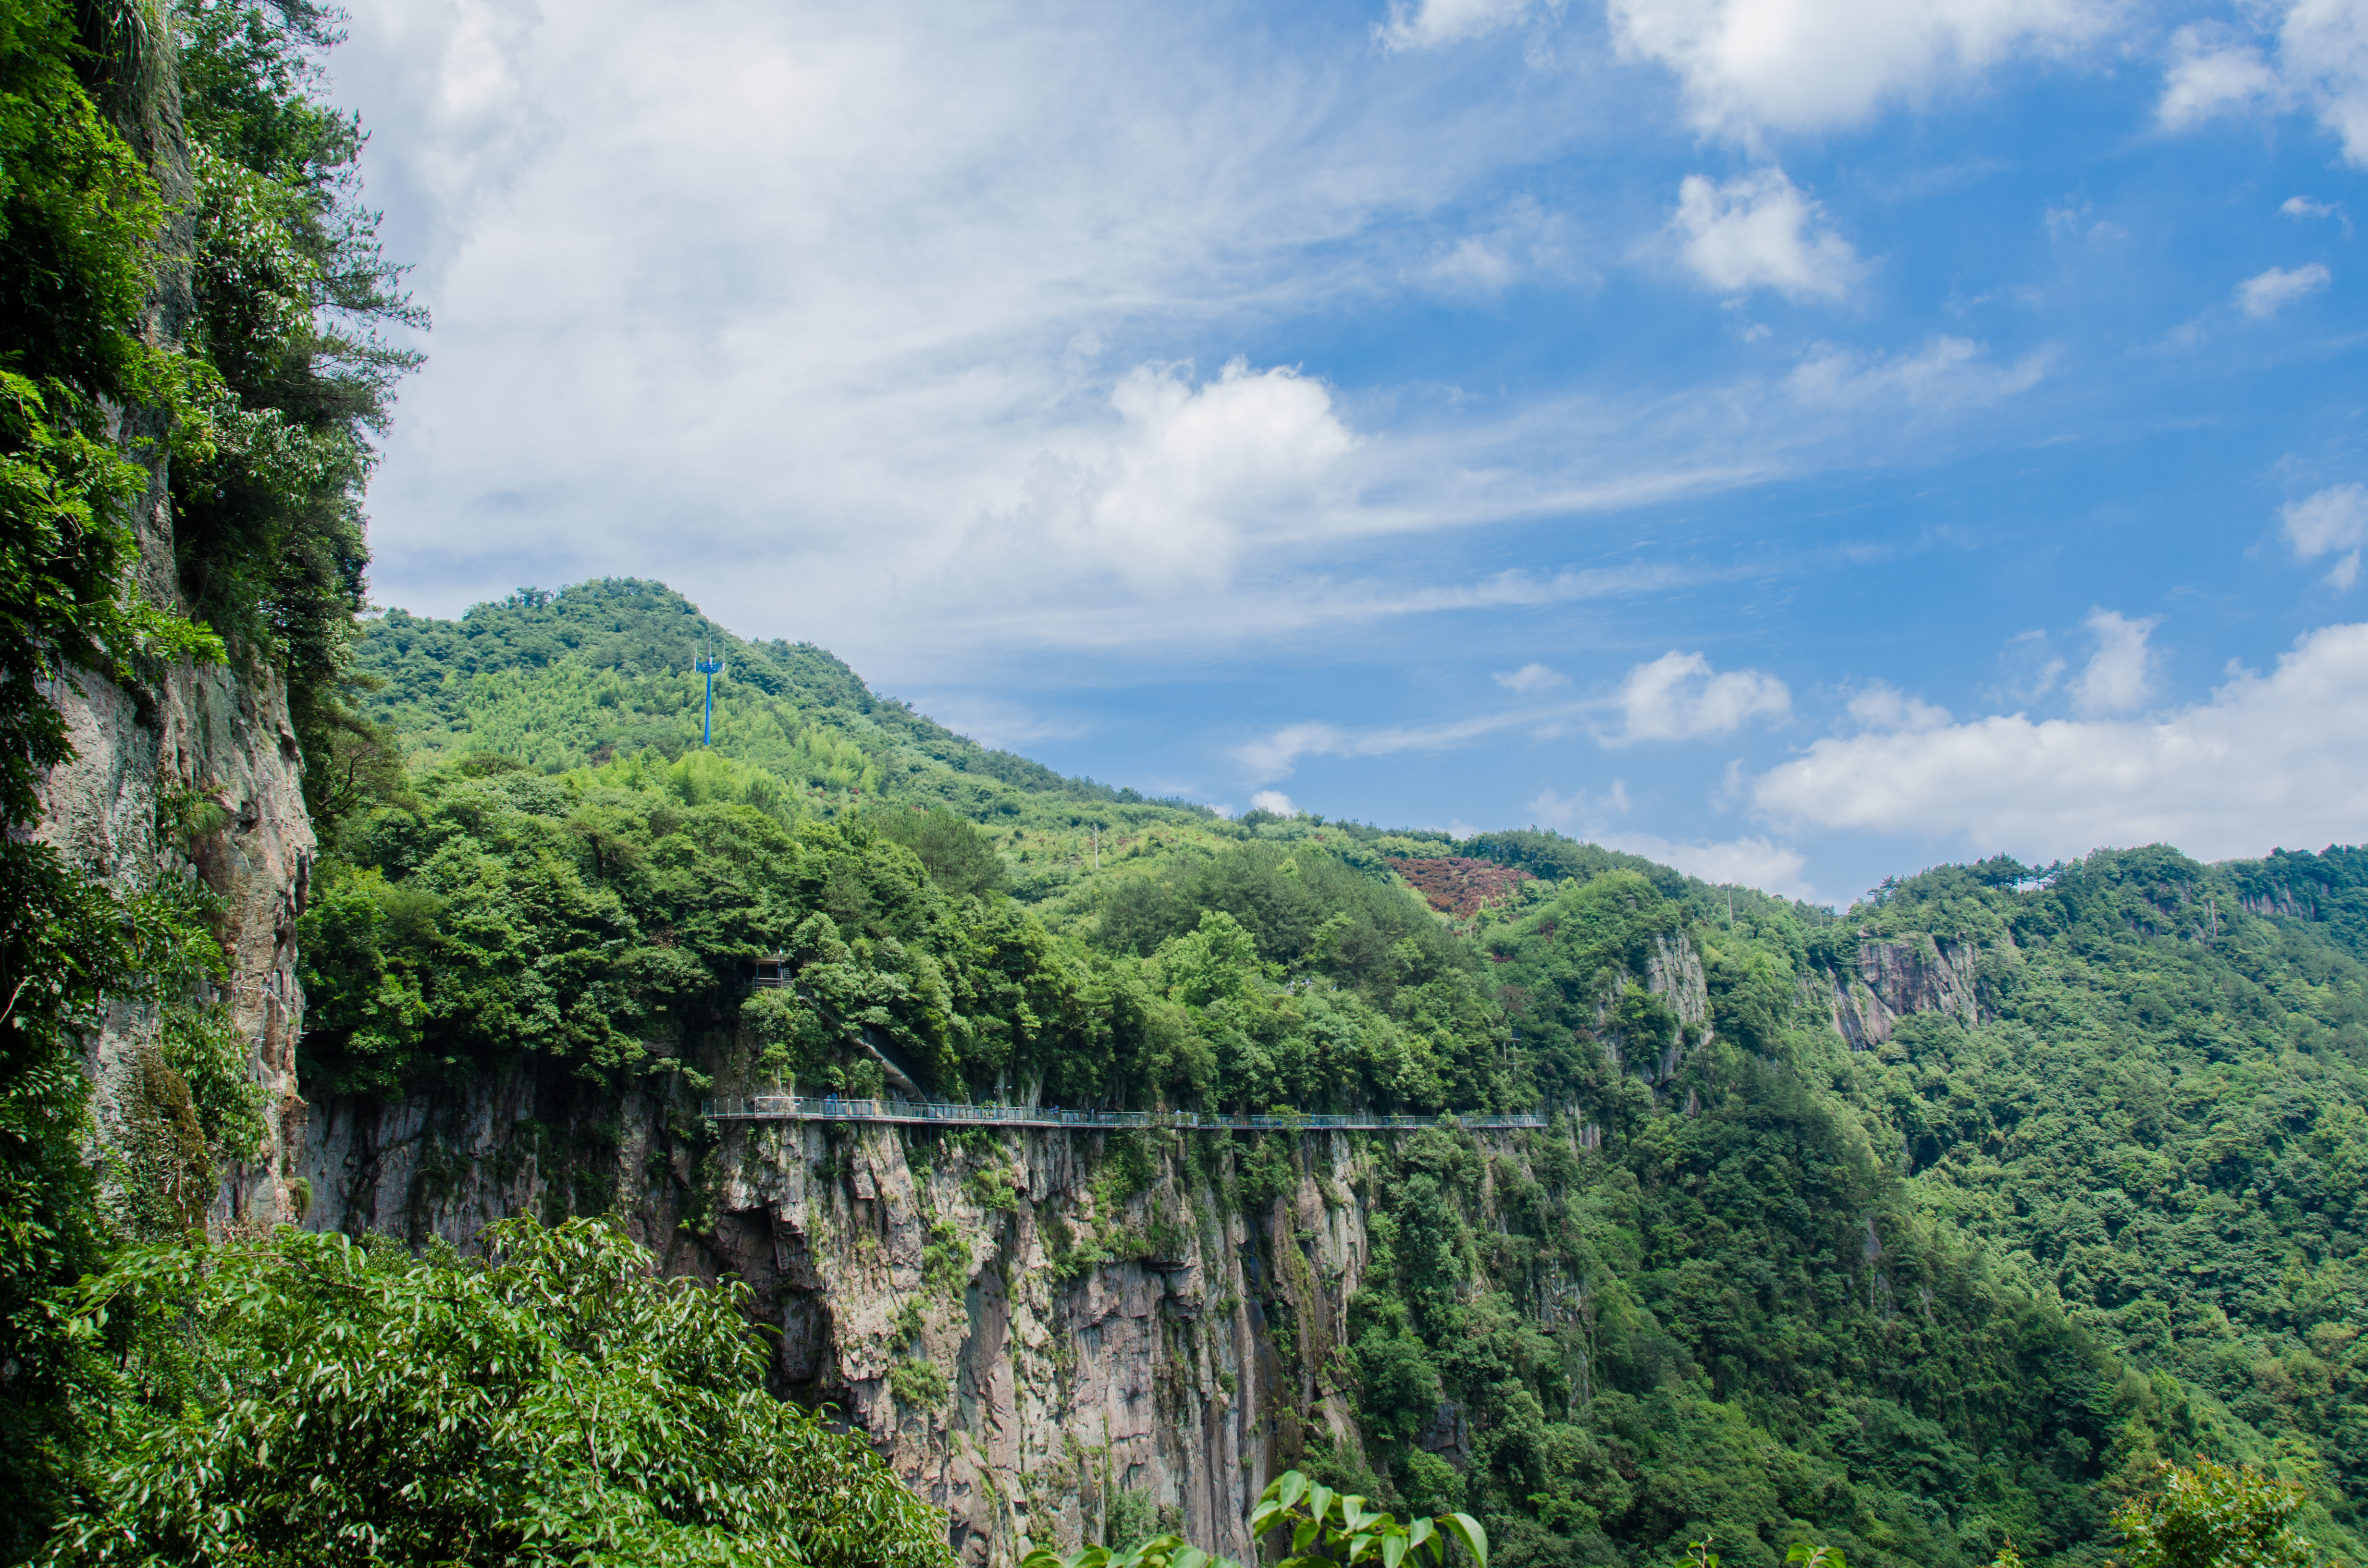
2260	297
2331	522
1428	24
1273	800
2309	56
2304	207
1681	696
1193	469
1531	678
2119	673
2267	760
1951	372
1745	65
1758	231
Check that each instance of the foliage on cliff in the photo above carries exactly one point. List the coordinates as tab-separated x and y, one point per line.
78	211
305	1400
178	234
1977	1282
289	296
610	920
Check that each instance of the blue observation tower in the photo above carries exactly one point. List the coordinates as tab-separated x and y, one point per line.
710	666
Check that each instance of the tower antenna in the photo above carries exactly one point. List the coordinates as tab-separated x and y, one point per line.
709	667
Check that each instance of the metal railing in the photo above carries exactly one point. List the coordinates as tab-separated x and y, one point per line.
830	1107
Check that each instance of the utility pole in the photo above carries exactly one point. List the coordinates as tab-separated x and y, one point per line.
709	667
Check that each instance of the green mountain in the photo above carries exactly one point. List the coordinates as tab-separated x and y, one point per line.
1923	1226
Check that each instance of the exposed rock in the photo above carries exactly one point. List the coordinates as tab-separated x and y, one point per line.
1896	979
1673	971
1189	1368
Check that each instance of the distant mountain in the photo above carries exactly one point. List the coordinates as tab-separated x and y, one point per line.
602	670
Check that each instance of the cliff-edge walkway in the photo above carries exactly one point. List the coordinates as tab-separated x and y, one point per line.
830	1107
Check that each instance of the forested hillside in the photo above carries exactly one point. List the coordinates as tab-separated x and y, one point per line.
1923	1226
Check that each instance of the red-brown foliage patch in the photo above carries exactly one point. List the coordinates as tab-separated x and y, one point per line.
1458	885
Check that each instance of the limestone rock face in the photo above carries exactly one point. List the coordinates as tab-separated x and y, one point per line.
1896	979
222	737
1673	971
1025	1341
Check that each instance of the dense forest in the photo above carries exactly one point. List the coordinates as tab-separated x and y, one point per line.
1927	1226
1927	1230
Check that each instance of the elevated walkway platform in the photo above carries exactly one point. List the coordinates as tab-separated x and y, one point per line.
829	1107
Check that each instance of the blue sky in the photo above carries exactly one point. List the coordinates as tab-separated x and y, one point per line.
1800	441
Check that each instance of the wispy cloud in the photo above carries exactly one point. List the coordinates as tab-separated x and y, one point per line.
1531	678
1678	697
2262	296
2333	521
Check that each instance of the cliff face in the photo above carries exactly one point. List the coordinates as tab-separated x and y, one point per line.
217	735
1042	1329
222	737
1896	979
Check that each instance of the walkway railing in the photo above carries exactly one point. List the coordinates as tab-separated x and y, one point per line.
830	1107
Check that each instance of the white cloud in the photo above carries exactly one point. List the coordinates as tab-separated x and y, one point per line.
1531	678
2031	669
1473	266
1754	862
1273	800
2331	521
2211	73
1578	808
1758	231
2318	63
2119	673
2280	759
1276	754
1807	64
1193	469
1680	696
1882	707
2260	297
2304	207
1427	24
1952	372
992	720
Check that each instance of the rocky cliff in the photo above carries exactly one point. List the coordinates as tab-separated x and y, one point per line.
1896	979
1044	1330
196	778
220	738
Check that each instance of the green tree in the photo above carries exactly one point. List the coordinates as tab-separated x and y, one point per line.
303	1400
2215	1516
